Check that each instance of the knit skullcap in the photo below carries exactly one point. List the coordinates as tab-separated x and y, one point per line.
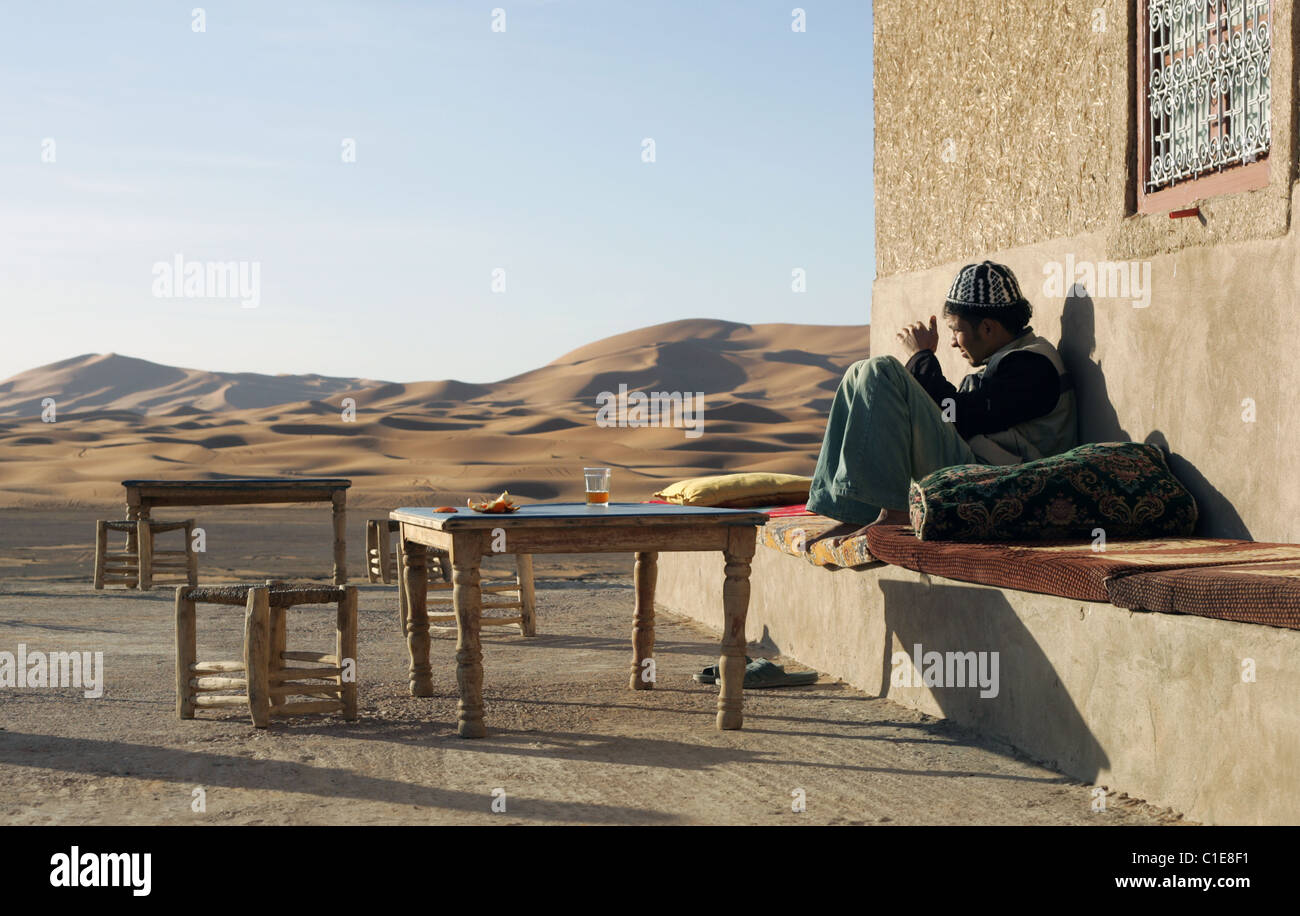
985	285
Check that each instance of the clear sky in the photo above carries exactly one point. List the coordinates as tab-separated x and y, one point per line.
474	150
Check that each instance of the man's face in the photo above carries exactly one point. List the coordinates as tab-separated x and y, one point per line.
967	339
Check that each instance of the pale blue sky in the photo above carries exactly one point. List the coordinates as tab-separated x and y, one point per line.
474	150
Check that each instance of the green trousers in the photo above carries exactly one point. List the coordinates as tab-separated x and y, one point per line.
883	432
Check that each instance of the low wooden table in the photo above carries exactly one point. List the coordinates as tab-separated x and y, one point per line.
642	528
143	495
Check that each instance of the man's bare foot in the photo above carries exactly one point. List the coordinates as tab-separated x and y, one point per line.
845	531
893	517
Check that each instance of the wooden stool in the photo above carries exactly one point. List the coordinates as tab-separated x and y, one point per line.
135	565
518	595
381	554
262	673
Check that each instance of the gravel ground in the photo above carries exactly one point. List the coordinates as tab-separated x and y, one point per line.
567	743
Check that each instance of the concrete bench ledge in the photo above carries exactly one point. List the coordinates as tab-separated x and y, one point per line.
1228	578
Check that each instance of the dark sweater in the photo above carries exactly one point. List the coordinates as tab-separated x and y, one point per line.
1025	386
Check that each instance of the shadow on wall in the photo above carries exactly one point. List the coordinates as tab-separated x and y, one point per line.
1031	704
1099	422
1216	516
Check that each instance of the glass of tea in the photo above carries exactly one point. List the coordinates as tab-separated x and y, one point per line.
597	486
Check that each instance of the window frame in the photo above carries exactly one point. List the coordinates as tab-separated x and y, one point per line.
1250	176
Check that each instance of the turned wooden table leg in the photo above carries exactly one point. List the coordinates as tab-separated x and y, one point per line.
132	515
467	597
401	588
643	621
735	607
415	583
340	538
527	594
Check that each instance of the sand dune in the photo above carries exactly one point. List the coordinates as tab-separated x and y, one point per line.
108	381
765	390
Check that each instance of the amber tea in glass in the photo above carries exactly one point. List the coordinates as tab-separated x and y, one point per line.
597	480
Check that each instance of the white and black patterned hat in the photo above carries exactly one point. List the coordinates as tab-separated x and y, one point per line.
985	285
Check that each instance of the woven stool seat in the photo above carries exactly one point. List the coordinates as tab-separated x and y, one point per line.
277	595
138	564
154	525
269	672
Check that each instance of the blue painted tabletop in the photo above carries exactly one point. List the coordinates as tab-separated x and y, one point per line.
577	513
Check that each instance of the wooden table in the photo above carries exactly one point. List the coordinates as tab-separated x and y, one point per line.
642	528
143	495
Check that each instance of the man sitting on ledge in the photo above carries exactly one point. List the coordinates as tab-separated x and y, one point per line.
891	424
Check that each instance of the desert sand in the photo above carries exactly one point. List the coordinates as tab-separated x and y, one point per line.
765	391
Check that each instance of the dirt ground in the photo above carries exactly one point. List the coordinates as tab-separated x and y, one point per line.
567	742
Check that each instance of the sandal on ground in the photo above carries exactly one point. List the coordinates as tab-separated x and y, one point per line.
710	674
764	673
761	673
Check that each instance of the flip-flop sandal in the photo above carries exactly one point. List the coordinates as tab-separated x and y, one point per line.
762	673
710	674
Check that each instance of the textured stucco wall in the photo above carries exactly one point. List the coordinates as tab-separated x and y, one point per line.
1003	124
1223	314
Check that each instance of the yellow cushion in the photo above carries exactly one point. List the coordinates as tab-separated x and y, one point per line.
739	491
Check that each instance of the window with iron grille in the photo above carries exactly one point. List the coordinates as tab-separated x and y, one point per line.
1204	112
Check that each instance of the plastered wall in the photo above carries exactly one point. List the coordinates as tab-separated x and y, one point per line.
996	139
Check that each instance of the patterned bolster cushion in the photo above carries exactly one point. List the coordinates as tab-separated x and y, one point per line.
1124	488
